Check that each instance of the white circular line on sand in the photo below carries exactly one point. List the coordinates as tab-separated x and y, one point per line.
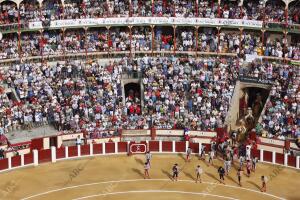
136	180
156	191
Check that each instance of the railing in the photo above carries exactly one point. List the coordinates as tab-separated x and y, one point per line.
99	55
114	148
155	20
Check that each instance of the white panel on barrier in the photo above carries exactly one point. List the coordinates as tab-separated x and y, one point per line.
22	159
147	144
35	157
261	155
116	148
128	146
53	154
173	146
78	151
200	147
160	146
9	162
285	159
103	149
91	149
273	157
67	151
186	145
298	162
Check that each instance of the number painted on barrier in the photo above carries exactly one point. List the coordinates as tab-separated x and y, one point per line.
138	148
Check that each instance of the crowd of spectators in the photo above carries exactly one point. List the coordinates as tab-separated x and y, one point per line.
193	93
8	13
279	47
184	8
88	96
29	11
185	39
9	47
141	39
97	41
73	9
253	10
119	39
31	44
55	42
164	40
95	8
72	96
294	13
275	11
54	9
281	118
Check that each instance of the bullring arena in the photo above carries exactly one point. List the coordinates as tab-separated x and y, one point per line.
149	99
95	173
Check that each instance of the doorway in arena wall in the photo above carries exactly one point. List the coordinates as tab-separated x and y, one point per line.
251	105
133	98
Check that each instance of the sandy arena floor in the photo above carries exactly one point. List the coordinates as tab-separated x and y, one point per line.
121	177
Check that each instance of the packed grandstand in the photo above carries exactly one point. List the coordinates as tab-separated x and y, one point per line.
65	64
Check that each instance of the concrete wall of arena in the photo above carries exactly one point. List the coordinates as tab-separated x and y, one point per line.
54	154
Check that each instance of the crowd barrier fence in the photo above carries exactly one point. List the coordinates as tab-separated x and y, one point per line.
54	154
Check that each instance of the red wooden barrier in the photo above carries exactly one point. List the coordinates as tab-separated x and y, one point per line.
16	161
97	149
207	147
122	147
292	161
194	147
73	152
37	143
154	146
279	158
268	156
28	158
3	164
110	147
255	153
44	155
85	149
180	146
60	153
167	146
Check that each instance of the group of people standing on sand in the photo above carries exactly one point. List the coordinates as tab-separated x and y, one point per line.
222	171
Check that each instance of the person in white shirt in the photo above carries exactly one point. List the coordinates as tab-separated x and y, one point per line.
146	170
199	171
78	140
148	157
